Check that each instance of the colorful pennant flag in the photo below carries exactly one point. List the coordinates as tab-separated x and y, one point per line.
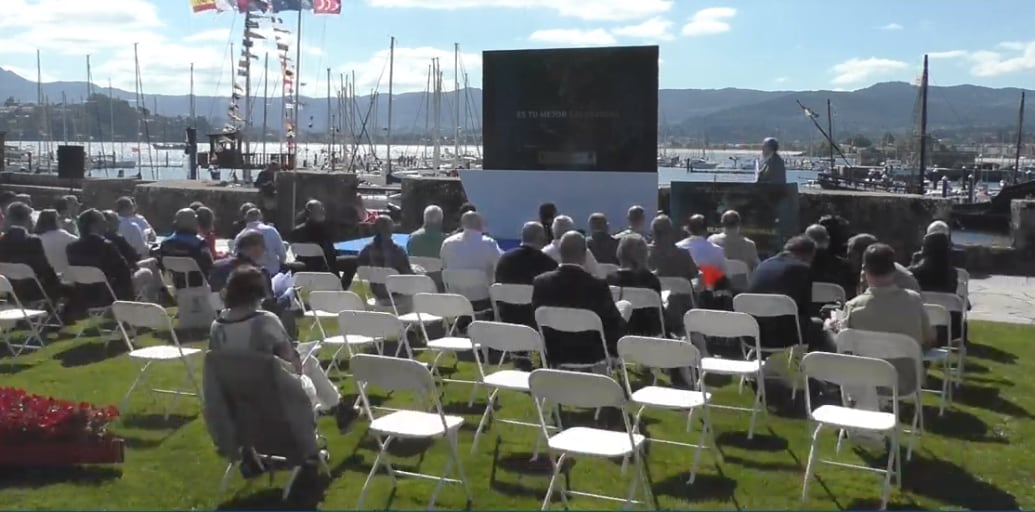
202	5
327	7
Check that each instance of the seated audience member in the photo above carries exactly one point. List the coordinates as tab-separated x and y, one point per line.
935	272
135	262
663	257
828	268
857	247
637	219
19	245
710	258
6	198
196	205
207	230
571	286
563	224
314	230
735	245
887	307
250	250
112	234
55	240
26	199
382	251
839	231
939	227
632	255
547	212
464	208
133	227
789	273
241	224
244	327
427	241
603	246
275	255
185	243
521	265
68	209
94	250
471	249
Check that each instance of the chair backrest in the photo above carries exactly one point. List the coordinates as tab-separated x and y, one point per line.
737	268
828	293
568	319
963	281
410	284
335	301
576	389
429	265
375	275
641	298
373	324
302	250
17	271
658	352
391	373
949	301
505	337
180	264
466	281
850	371
882	345
677	285
310	282
88	275
511	293
721	324
142	314
5	286
939	316
606	269
763	305
446	305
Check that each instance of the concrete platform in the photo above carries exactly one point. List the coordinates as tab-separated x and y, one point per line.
1004	299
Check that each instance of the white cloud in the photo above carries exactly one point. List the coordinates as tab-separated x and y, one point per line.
573	37
951	54
597	10
1012	45
30	74
216	35
411	70
1011	57
656	28
78	28
710	21
854	71
781	79
890	26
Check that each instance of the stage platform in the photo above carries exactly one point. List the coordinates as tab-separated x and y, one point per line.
354	246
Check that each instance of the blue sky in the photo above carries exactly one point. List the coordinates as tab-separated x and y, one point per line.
785	44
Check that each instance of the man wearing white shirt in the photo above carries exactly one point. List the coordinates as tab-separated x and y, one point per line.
471	249
134	228
275	254
710	258
561	225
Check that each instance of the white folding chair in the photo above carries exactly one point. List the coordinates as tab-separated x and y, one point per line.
425	265
504	338
302	250
738	272
853	372
725	324
184	266
827	293
940	317
676	286
10	316
20	272
308	282
666	353
888	346
586	390
643	298
409	286
515	294
765	305
395	374
957	340
447	308
89	276
963	284
571	320
338	302
473	284
606	269
152	316
371	276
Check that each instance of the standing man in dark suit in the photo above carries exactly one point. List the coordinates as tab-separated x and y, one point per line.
521	265
19	245
789	273
773	169
570	286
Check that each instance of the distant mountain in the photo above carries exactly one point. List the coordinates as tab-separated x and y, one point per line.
720	115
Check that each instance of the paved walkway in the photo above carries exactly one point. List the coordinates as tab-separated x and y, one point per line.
1003	299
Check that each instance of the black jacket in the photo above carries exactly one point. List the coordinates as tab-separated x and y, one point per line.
19	246
96	251
187	245
521	265
604	248
827	268
570	286
311	232
783	274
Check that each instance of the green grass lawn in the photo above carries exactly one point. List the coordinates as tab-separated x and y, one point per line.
979	455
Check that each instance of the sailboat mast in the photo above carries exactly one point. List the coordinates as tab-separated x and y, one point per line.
923	129
330	127
456	105
265	101
193	110
830	132
1020	141
111	119
64	117
436	135
140	104
246	53
89	96
298	88
391	79
43	110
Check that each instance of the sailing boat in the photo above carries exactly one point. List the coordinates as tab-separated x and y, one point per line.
100	161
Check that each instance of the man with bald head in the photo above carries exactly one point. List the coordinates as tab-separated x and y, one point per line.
571	286
185	243
564	224
521	265
733	243
472	249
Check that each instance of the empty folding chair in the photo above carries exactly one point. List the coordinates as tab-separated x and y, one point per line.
402	289
765	305
426	265
664	354
676	286
15	312
505	338
892	347
406	375
571	320
310	252
854	372
644	298
338	302
21	271
370	276
448	308
739	274
130	316
940	317
473	284
957	340
724	324
308	282
90	276
558	388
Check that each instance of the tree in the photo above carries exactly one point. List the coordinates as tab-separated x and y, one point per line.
887	139
859	141
10	101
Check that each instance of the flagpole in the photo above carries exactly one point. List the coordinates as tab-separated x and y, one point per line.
298	86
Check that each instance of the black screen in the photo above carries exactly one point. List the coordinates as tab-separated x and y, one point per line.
593	109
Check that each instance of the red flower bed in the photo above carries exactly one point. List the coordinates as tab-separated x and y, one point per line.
26	418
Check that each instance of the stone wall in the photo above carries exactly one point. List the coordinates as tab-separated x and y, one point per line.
159	201
338	191
898	219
